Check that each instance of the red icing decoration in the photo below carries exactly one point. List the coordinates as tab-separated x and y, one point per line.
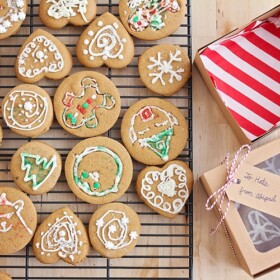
146	114
88	101
81	109
68	99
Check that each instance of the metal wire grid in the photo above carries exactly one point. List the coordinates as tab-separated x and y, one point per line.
165	249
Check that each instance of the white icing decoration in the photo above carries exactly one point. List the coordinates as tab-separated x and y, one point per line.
39	44
90	33
113	232
165	184
15	13
17	208
263	230
165	67
86	41
100	23
61	238
106	43
65	8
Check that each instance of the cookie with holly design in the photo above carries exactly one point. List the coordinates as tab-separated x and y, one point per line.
154	131
87	104
114	230
152	19
58	13
12	15
164	69
36	167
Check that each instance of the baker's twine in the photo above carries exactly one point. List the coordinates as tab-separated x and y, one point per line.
219	195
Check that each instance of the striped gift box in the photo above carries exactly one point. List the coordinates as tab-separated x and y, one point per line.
245	70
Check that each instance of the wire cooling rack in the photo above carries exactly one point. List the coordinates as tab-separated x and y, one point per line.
165	249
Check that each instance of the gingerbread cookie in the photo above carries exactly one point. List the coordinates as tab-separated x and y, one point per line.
4	276
165	189
164	69
152	20
98	170
61	236
107	42
87	104
57	14
154	131
12	14
42	55
27	110
114	230
36	167
18	220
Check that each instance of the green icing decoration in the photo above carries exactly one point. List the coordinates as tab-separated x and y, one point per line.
85	174
85	105
96	185
69	116
135	19
73	120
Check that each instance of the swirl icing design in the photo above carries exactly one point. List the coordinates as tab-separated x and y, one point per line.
17	207
151	13
81	109
62	238
65	8
106	43
89	180
11	11
153	118
112	230
165	183
162	67
42	55
25	110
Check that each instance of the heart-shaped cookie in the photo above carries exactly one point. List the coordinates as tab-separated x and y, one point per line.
56	14
61	235
107	42
42	55
165	189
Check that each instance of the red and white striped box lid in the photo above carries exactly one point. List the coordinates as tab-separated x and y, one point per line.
245	70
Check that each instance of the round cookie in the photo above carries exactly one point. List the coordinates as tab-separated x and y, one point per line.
166	189
114	230
12	15
164	69
107	42
18	220
42	55
152	20
36	167
98	170
57	14
27	110
61	235
154	131
4	276
87	104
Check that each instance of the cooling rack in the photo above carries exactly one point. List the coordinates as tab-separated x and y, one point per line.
165	249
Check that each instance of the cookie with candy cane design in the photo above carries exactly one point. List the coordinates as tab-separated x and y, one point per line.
164	69
87	104
114	230
18	220
58	13
42	55
27	110
61	236
152	19
107	42
12	15
154	131
166	189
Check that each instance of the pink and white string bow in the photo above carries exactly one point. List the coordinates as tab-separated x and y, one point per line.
219	195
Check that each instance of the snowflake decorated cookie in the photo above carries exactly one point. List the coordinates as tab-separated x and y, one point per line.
61	236
12	14
152	19
164	69
58	13
107	42
42	55
154	131
27	110
87	104
114	230
36	167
